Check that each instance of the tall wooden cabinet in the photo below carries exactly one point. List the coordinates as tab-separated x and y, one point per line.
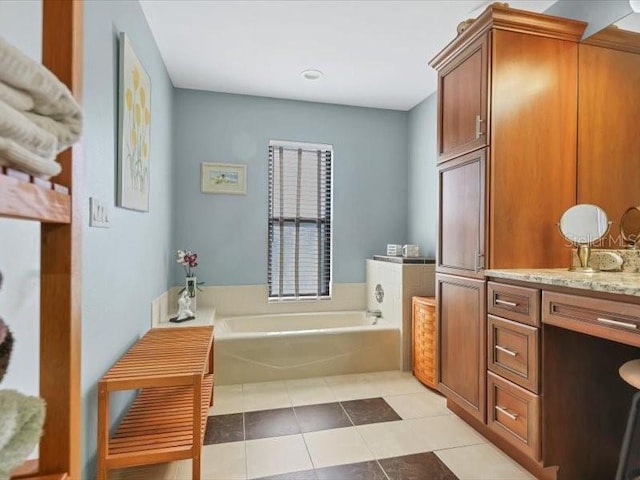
608	118
507	132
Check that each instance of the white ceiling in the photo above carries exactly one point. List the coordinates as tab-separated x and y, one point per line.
372	53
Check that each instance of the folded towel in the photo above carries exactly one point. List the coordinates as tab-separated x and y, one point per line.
17	127
15	98
21	420
15	156
50	97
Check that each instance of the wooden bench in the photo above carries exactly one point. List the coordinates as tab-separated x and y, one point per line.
173	368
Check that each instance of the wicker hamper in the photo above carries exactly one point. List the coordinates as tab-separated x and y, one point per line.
425	335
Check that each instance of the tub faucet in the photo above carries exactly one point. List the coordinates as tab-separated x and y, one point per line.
376	314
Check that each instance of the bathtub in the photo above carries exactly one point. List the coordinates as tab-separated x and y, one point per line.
262	348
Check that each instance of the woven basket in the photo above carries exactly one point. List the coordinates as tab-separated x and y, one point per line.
425	334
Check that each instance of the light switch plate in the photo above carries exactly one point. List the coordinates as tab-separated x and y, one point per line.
98	213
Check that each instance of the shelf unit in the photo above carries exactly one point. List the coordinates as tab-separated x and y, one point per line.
173	367
57	206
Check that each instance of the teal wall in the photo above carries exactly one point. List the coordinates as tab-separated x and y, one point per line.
126	266
229	232
423	175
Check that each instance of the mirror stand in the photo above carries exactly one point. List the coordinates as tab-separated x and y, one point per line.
584	254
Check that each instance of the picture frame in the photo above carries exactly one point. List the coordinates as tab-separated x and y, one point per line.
223	178
134	130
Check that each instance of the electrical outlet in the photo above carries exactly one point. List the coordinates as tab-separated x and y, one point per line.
98	213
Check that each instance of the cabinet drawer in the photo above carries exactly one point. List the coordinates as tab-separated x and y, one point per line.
520	304
514	414
608	319
513	352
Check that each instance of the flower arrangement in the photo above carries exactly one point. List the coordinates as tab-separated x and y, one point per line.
188	260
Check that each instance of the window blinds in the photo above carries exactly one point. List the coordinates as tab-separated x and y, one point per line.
299	221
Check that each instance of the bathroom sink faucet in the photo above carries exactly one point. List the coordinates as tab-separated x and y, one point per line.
376	314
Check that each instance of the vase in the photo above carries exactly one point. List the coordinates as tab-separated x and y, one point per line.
191	286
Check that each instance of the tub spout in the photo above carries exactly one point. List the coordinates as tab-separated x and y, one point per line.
376	314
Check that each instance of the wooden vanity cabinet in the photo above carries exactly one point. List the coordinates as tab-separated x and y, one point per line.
507	132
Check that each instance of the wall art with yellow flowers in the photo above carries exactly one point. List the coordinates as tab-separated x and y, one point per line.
134	127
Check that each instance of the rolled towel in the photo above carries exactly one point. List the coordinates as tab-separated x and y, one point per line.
21	420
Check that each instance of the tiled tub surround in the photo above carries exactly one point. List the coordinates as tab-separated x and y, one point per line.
623	283
286	346
374	426
400	283
236	300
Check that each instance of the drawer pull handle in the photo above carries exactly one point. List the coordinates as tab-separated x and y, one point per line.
616	323
504	302
478	127
512	416
506	350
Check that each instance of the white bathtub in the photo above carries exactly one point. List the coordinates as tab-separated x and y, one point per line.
276	347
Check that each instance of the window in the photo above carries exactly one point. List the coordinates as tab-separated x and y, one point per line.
299	220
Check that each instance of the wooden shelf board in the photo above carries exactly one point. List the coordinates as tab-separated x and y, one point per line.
29	198
159	424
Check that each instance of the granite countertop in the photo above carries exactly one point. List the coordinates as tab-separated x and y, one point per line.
623	283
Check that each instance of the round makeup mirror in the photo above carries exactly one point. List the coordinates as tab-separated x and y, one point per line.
582	225
630	227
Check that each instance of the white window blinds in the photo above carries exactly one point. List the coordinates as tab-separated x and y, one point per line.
299	220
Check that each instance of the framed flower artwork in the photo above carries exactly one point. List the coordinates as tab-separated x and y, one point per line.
134	128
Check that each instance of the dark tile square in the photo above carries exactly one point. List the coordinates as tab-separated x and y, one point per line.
354	471
321	417
224	428
304	475
417	467
270	423
370	410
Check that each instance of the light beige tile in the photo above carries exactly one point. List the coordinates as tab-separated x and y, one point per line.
482	462
309	391
448	431
227	399
271	456
393	439
351	387
223	461
161	471
394	383
264	396
418	405
337	447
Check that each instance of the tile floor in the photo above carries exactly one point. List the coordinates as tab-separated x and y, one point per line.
374	426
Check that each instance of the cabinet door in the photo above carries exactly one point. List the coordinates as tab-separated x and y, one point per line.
608	140
462	342
461	245
462	102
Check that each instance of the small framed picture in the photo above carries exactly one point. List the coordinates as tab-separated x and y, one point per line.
224	178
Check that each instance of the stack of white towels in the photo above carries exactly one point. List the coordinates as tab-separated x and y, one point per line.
39	117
